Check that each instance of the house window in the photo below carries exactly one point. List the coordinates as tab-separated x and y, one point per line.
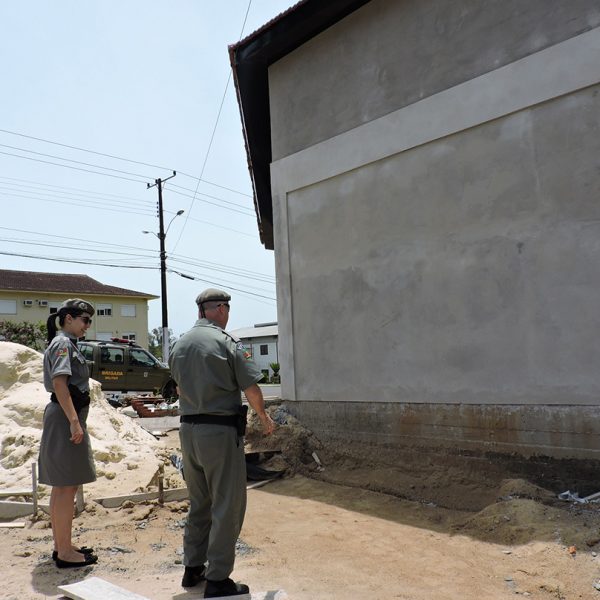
53	307
8	307
128	310
264	349
104	310
128	336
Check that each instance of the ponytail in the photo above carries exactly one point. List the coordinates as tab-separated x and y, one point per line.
51	327
61	314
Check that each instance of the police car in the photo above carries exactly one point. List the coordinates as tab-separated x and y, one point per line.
123	366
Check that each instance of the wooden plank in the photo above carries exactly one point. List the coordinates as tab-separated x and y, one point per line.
271	595
34	487
15	492
94	588
15	525
13	510
175	494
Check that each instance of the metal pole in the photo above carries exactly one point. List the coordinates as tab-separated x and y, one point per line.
163	275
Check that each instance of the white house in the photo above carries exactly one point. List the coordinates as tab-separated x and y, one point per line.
261	342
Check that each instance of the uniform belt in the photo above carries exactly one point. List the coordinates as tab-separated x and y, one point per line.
231	420
238	421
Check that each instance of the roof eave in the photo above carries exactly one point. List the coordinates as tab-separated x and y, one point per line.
250	60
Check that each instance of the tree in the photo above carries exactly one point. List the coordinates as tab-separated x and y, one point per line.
27	334
275	366
155	341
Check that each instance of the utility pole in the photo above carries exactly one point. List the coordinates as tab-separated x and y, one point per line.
163	267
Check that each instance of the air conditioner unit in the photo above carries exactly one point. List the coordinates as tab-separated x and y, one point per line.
43	303
27	302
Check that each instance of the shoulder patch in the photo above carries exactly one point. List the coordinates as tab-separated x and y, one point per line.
247	354
64	351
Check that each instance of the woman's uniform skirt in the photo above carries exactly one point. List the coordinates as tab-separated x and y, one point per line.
61	462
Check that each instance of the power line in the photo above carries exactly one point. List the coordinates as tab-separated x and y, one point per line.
212	282
173	185
77	162
62	187
73	260
20	188
80	205
246	214
137	162
105	264
212	137
47	162
175	257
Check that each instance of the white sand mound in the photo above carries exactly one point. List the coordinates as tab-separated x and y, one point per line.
125	454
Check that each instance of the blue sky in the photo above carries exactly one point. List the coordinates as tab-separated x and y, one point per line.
143	80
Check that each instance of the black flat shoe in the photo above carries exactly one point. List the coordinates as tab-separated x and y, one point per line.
90	559
192	576
225	587
82	550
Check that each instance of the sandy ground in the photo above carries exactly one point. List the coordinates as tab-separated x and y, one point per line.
321	540
372	524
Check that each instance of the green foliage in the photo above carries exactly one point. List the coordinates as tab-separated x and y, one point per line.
275	366
155	341
27	334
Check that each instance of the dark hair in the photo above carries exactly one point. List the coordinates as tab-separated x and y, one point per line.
61	314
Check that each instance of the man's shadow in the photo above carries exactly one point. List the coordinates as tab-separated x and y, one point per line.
46	577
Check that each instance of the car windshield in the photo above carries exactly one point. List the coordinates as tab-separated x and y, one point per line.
141	358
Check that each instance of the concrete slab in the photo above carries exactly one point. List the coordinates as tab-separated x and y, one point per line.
159	423
95	588
13	510
175	494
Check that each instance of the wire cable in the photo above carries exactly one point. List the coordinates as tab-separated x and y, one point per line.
137	162
212	137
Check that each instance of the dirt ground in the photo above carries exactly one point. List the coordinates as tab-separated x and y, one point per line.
410	526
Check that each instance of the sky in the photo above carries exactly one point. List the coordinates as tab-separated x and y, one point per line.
140	80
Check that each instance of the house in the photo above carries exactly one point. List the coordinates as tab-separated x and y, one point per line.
32	297
261	342
428	176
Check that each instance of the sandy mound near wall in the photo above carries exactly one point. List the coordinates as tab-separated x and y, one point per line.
125	454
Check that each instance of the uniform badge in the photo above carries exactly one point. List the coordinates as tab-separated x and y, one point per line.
62	352
244	350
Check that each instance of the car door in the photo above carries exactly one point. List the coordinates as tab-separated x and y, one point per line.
142	371
111	370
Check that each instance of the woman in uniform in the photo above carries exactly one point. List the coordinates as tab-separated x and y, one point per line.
65	460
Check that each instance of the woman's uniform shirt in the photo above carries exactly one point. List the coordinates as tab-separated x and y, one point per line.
62	357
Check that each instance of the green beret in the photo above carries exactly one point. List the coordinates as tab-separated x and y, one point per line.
212	294
79	304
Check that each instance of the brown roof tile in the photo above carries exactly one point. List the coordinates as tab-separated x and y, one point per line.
61	282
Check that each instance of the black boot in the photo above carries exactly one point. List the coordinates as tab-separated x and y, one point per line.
225	587
192	576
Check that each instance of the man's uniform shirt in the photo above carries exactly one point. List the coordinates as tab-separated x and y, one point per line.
211	368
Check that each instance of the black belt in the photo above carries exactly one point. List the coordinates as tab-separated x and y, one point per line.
238	421
230	420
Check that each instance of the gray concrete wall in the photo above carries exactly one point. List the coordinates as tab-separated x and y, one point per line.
464	270
557	431
389	54
438	278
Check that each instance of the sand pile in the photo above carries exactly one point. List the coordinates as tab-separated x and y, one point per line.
125	454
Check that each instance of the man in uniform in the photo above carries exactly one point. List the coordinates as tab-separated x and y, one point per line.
211	368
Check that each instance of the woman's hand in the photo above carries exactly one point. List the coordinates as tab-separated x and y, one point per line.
76	432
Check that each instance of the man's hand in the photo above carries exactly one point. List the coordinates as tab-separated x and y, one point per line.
267	423
256	401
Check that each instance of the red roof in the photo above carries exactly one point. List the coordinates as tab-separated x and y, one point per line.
31	281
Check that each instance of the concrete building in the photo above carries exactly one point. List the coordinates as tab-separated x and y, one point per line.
428	174
262	342
32	297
